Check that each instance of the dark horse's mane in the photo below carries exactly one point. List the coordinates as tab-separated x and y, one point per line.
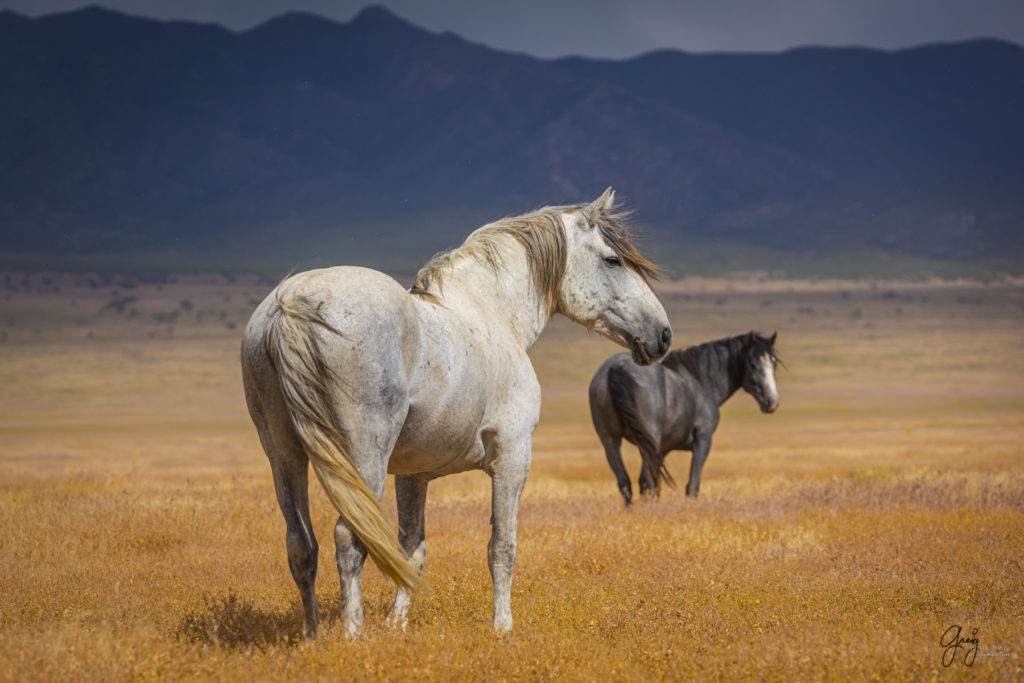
705	358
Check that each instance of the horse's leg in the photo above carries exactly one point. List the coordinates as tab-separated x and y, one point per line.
645	425
609	431
613	453
701	448
291	484
650	469
350	553
411	493
508	476
647	480
290	467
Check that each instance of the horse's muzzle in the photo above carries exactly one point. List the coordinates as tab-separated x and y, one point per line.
665	341
645	353
639	350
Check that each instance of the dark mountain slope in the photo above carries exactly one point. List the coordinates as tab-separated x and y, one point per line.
121	134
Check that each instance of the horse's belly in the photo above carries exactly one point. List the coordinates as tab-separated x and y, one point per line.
442	431
432	444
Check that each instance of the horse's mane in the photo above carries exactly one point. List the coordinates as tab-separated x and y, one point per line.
697	359
541	235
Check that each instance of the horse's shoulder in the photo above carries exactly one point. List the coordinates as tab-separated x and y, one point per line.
679	376
686	386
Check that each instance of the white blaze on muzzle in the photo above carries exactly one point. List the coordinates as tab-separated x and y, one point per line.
768	367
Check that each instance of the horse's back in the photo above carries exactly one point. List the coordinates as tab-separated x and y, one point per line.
349	298
358	303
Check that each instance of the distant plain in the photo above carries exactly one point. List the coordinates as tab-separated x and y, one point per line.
836	539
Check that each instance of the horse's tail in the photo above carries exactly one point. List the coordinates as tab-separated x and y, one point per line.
623	389
292	343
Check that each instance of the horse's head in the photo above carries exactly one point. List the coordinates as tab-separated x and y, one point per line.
605	286
759	371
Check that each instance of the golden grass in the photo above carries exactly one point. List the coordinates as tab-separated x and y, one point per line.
836	539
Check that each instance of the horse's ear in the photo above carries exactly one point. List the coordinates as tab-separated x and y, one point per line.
602	204
774	335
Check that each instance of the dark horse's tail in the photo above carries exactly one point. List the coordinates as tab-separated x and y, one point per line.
623	390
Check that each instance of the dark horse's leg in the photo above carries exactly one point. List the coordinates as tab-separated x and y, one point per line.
701	447
613	452
609	431
638	402
648	479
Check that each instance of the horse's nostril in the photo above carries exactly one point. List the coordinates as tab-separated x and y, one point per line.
666	337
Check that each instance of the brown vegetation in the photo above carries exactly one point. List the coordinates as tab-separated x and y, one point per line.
836	539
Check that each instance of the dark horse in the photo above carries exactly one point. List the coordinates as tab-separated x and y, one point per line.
673	405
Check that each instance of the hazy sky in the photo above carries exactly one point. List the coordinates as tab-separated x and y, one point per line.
622	28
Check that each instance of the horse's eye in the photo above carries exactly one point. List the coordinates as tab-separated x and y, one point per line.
612	260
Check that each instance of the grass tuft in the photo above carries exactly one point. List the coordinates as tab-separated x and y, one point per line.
233	623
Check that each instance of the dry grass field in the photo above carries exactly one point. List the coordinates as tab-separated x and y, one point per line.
837	539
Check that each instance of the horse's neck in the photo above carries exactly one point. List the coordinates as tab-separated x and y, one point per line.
505	298
720	369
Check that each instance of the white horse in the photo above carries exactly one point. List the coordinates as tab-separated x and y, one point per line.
345	369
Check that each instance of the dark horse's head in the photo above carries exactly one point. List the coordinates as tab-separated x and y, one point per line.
759	370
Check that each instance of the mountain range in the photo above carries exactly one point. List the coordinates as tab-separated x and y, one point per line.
345	141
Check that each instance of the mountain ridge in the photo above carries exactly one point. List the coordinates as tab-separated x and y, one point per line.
126	133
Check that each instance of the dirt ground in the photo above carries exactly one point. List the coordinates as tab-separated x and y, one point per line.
839	538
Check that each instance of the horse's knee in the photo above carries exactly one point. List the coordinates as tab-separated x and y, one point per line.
302	556
349	551
350	555
419	555
501	553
